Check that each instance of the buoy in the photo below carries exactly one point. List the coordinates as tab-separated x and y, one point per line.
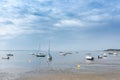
78	66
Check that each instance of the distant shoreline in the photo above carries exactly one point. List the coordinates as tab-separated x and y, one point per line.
112	50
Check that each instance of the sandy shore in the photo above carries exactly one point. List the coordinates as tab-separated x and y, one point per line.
73	76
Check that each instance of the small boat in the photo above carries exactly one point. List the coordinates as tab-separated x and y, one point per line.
104	55
6	57
88	57
115	53
110	53
9	54
49	57
100	56
68	52
61	52
65	53
40	55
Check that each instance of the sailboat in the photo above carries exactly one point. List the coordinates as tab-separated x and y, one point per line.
49	57
39	54
10	54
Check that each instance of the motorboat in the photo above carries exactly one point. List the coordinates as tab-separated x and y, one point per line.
40	55
88	57
115	53
6	57
104	55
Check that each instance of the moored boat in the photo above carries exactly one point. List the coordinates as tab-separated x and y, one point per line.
49	57
9	54
40	55
88	57
6	57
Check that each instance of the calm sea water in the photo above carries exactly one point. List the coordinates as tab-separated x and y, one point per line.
24	61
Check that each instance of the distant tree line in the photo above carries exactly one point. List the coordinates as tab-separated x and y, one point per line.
112	50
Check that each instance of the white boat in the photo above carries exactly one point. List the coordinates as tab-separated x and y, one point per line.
65	53
115	53
100	56
6	57
49	57
88	57
104	55
40	55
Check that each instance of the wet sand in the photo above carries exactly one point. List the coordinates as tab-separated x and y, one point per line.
72	76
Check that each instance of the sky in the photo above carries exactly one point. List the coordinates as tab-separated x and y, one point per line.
67	24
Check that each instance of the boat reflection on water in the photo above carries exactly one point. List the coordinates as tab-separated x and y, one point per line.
89	61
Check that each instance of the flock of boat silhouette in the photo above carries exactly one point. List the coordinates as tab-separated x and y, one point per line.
8	56
49	57
38	54
89	57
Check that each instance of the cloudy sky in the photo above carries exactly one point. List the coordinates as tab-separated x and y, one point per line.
68	24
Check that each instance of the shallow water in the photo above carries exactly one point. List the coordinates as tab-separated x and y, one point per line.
23	62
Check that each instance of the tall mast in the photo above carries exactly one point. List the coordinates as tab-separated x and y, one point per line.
49	49
39	48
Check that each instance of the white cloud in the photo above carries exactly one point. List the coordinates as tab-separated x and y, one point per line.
98	18
9	31
43	0
12	27
95	18
25	16
70	23
88	21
